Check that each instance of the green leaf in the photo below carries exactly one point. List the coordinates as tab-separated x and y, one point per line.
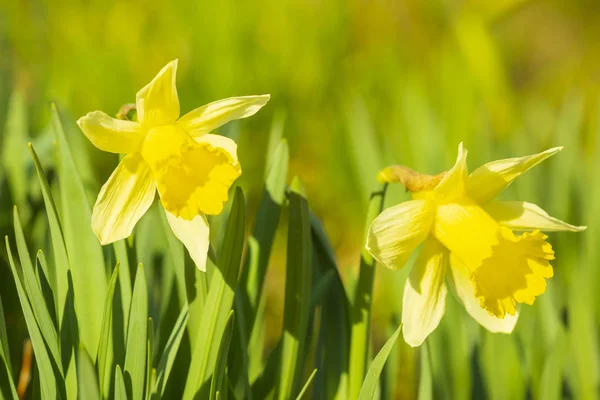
298	280
135	352
82	245
69	340
170	351
105	354
426	377
149	352
6	379
48	381
371	381
361	304
249	291
264	386
44	275
219	301
61	261
86	377
121	252
333	351
550	386
4	348
307	385
14	160
216	384
35	295
120	390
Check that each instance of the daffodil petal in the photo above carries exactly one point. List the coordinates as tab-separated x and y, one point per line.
211	116
195	236
461	285
193	178
453	184
489	180
123	199
157	103
222	142
397	232
110	134
524	216
424	300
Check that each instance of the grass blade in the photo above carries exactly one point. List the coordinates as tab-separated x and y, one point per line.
135	352
35	295
170	352
48	381
120	390
216	384
333	351
59	249
372	379
297	294
219	301
13	158
361	305
82	245
105	358
426	379
6	379
121	252
306	385
44	275
149	352
86	377
252	278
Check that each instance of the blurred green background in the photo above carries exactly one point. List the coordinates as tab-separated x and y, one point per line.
356	86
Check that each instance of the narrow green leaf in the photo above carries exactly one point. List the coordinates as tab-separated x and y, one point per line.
61	261
121	252
333	351
361	304
149	352
550	386
82	245
14	160
170	352
35	295
6	379
306	385
219	301
298	280
264	386
371	381
216	384
249	292
69	339
426	377
105	358
267	220
135	353
48	381
120	390
86	377
44	275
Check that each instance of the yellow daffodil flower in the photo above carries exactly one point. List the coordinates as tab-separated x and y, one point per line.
469	241
191	168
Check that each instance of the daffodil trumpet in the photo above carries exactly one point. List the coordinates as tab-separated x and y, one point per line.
491	253
191	168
